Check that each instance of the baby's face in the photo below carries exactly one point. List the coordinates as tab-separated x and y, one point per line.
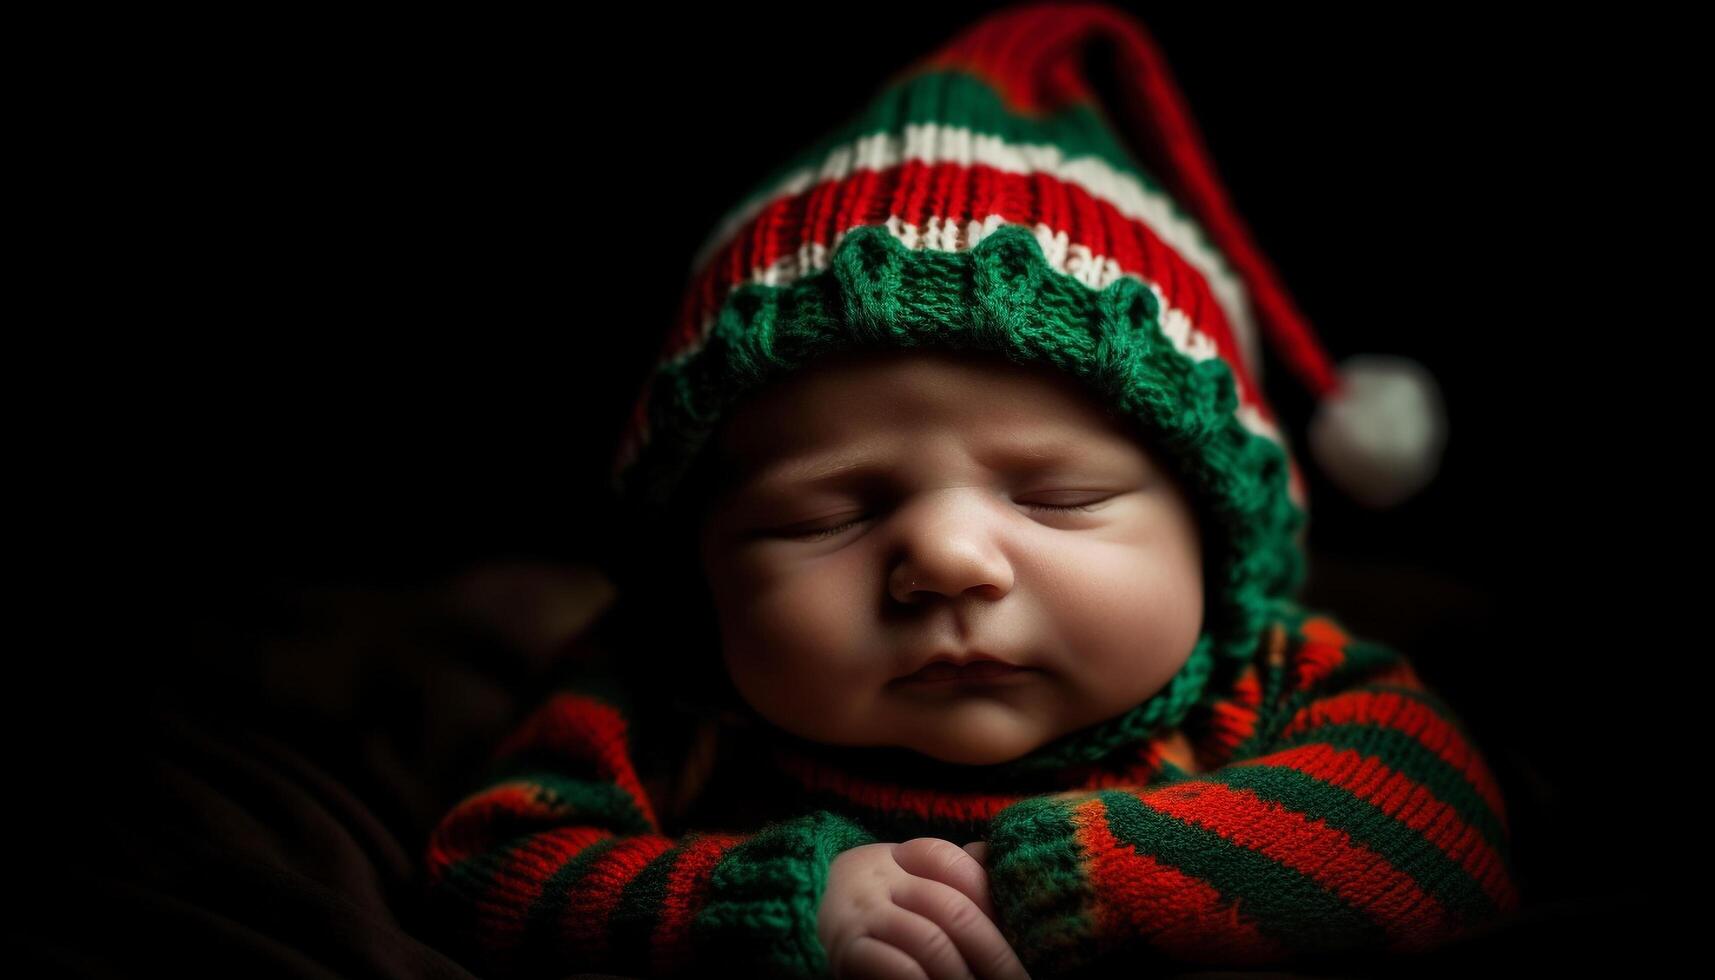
888	509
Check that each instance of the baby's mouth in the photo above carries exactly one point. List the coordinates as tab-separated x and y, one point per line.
942	672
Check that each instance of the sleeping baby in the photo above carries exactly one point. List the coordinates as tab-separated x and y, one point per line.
961	634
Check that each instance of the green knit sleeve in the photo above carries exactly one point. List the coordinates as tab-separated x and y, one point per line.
765	893
558	864
1354	816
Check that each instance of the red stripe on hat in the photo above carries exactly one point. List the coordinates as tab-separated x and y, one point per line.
1036	57
786	225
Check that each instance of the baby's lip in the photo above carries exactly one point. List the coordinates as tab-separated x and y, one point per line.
972	664
943	672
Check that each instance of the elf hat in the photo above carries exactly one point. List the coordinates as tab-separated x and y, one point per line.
990	199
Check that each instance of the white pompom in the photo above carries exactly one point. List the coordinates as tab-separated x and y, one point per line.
1380	438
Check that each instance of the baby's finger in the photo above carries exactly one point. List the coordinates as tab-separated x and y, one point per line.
981	946
946	862
923	940
868	958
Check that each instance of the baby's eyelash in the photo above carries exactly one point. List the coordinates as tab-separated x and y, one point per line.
1062	506
831	531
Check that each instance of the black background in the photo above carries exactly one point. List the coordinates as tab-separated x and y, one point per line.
382	292
405	277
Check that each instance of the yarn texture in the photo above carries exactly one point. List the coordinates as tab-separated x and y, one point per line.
1325	803
1292	792
1113	341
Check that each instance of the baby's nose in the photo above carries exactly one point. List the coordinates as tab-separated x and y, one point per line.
951	547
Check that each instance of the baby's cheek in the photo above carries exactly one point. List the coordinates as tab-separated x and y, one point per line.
800	621
1096	582
798	657
1126	609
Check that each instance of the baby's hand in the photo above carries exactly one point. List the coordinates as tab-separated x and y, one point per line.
917	909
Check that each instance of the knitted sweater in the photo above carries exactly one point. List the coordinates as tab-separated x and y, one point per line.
1319	800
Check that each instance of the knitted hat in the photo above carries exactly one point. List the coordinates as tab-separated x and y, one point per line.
988	199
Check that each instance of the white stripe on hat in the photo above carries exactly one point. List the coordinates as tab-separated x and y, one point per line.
1078	261
935	143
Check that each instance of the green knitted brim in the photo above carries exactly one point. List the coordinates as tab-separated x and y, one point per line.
1002	296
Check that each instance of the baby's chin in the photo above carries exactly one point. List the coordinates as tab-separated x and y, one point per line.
978	744
973	755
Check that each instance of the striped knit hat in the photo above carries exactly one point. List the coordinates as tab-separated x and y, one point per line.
985	200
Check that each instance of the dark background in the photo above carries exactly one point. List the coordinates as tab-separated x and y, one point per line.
391	286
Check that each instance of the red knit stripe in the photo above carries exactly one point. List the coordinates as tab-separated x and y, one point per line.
583	729
1035	56
1401	674
469	828
589	906
1178	913
1022	55
1407	801
687	893
819	223
1143	768
951	194
1232	720
1321	651
503	910
1412	717
889	798
1359	876
867	196
909	194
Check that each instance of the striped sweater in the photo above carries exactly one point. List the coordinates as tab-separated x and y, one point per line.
1322	801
